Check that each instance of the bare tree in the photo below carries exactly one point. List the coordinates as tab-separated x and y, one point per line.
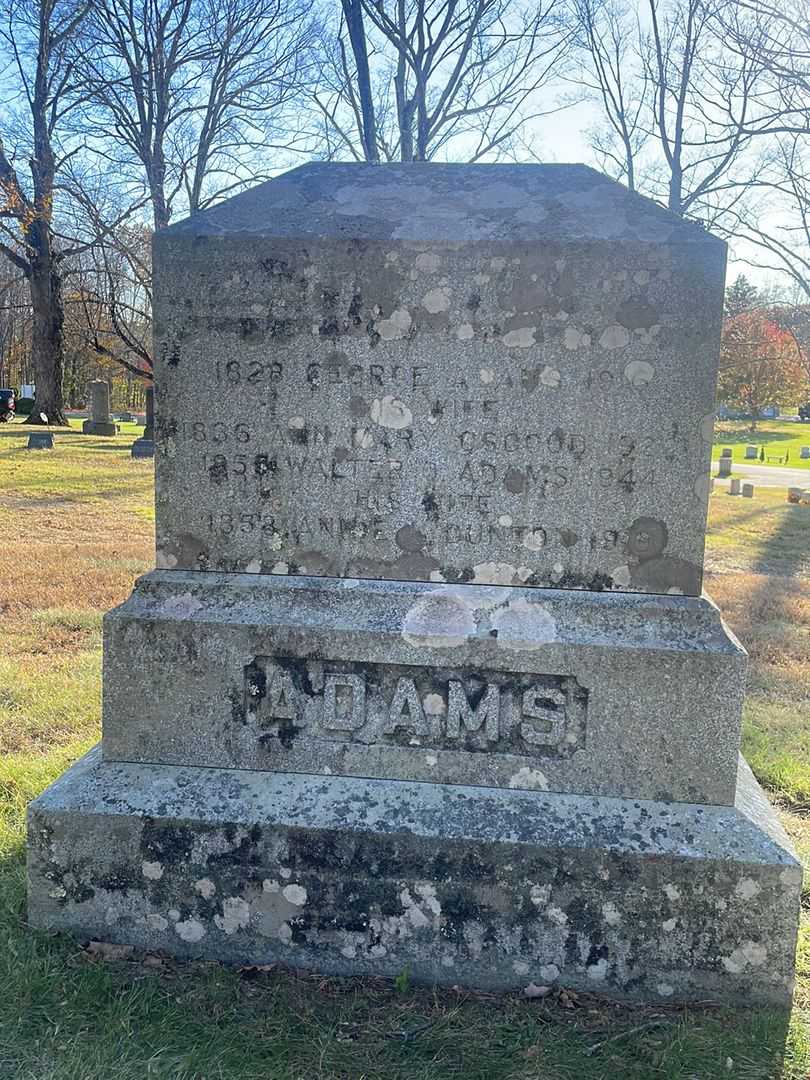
191	95
38	37
608	37
416	76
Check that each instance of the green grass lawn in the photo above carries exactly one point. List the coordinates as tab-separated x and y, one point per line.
75	531
777	437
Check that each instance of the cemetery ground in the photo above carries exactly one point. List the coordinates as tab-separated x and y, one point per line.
75	529
780	438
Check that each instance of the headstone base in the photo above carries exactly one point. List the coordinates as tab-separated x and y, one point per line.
143	448
40	440
634	899
98	427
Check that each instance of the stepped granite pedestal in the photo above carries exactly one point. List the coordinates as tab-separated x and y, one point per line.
425	677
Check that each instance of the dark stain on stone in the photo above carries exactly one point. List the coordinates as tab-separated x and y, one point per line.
568	538
218	469
373	335
340	453
300	436
329	298
636	314
515	481
329	328
437	410
410	539
646	538
430	506
473	302
355	309
530	378
358	408
165	842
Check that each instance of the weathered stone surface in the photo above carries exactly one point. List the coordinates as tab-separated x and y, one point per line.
603	693
635	899
495	374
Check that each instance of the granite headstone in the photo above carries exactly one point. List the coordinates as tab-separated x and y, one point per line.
424	678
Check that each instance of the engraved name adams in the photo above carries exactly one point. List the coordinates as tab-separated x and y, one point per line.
446	708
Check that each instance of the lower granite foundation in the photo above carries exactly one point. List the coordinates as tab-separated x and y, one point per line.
481	887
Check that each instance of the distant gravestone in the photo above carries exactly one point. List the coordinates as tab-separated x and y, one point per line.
425	679
804	453
751	453
724	467
100	421
40	440
726	452
748	491
734	487
144	447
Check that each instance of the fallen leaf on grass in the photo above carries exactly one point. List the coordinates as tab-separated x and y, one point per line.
106	950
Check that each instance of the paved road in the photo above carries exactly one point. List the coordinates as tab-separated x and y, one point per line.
767	475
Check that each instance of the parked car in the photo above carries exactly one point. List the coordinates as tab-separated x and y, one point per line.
7	405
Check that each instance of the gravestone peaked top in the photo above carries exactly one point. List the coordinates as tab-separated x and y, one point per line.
489	374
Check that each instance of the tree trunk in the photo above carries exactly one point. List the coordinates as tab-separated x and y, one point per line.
47	337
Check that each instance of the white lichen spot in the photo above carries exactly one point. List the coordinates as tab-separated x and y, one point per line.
447	960
326	770
436	300
165	560
390	412
153	871
549	376
610	913
173	914
549	973
747	889
205	887
524	624
434	705
296	423
749	954
440	619
791	876
497	264
58	893
672	892
465	332
494	573
669	925
520	967
349	951
614	337
431	760
254	566
539	895
285	872
639	372
557	915
284	933
235	915
190	930
528	779
535	539
486	375
156	922
270	885
521	338
395	327
428	262
674	590
437	575
181	607
620	576
505	521
641	277
598	971
574	338
665	990
295	894
280	568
